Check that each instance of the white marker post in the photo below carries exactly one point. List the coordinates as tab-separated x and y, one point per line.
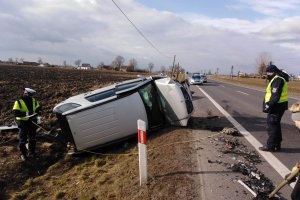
142	144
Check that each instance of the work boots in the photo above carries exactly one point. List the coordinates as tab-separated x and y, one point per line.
270	149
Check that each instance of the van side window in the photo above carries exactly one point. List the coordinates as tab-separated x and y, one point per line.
100	96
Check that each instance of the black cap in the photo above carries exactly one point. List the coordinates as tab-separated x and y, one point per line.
272	68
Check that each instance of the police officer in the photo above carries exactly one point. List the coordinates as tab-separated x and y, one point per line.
275	104
26	110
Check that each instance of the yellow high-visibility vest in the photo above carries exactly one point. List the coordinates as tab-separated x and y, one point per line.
21	106
284	95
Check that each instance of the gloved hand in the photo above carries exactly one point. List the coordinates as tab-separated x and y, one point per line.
266	108
39	120
292	180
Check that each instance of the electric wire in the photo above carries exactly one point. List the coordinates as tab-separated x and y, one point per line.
138	30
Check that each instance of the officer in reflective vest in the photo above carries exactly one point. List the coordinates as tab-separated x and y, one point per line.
275	104
26	109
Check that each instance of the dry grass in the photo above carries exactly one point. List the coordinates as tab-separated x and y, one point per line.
294	86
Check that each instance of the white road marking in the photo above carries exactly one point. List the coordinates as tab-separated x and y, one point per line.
269	157
246	186
243	93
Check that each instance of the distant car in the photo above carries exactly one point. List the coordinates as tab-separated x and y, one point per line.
204	78
196	79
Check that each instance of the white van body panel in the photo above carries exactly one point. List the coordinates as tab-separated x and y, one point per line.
108	122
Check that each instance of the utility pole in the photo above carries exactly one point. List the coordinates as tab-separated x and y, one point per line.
177	71
231	72
173	66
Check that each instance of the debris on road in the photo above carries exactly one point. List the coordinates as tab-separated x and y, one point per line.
231	131
244	161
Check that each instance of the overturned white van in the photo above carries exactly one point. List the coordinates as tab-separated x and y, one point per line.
109	114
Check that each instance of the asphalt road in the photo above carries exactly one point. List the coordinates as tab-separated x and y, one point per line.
245	106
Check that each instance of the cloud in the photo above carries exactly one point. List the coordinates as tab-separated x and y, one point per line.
230	24
274	8
96	32
286	31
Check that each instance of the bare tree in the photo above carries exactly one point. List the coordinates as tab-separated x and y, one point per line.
163	69
114	64
10	60
150	66
262	62
40	61
65	63
169	70
100	65
77	62
133	63
181	70
118	62
21	60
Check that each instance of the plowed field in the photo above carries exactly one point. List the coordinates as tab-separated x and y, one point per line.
56	175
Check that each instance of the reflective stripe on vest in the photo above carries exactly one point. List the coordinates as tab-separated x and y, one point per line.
283	96
21	106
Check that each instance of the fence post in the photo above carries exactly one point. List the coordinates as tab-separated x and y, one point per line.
142	145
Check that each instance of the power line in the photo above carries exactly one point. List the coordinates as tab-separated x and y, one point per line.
138	30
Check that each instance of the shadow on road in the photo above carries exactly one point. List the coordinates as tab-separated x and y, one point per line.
290	150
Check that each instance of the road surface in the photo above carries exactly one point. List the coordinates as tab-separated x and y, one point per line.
242	106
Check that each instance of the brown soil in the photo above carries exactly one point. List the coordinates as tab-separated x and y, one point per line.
108	173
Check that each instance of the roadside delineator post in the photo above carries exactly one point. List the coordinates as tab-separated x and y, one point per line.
142	145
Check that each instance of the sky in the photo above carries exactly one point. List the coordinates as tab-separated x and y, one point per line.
202	35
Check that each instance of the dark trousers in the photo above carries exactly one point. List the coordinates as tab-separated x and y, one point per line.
296	192
274	128
27	133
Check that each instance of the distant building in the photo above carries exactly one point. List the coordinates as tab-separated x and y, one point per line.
44	65
85	66
30	63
